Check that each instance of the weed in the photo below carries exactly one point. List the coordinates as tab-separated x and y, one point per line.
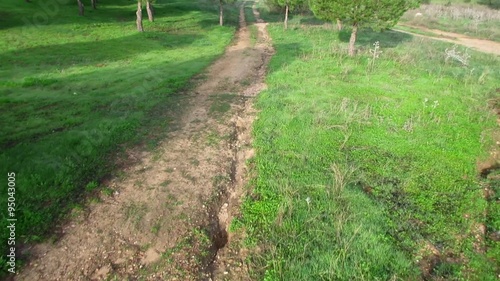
171	202
91	186
138	183
156	227
188	176
135	212
375	52
108	191
77	210
213	138
165	183
453	53
195	162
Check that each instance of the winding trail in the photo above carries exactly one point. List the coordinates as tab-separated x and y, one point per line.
153	226
481	45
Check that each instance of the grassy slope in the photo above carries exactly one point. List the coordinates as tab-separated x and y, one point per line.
75	88
359	167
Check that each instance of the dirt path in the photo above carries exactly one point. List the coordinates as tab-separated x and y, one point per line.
481	45
169	213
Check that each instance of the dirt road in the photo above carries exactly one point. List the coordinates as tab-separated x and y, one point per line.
481	45
169	213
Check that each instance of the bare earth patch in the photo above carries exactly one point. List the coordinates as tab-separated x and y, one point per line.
481	45
168	216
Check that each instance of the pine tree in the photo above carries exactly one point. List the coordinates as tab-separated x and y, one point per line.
377	14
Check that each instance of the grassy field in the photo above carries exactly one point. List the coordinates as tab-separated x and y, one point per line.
366	167
74	89
470	19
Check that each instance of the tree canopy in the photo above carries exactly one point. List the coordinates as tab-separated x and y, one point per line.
377	14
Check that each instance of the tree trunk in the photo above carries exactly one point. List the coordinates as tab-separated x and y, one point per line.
151	11
94	4
221	13
339	24
139	16
286	16
353	39
81	8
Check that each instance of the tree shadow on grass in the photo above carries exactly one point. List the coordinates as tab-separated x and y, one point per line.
59	57
311	20
366	38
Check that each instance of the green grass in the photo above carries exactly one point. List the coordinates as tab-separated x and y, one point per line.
74	89
359	163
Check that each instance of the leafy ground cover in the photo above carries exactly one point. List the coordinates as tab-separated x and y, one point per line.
366	167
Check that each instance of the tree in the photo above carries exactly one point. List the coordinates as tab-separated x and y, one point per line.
138	14
94	4
377	14
221	10
81	8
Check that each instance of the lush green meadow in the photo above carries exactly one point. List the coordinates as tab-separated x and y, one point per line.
365	167
74	90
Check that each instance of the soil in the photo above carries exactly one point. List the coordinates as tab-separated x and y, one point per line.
168	215
481	45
